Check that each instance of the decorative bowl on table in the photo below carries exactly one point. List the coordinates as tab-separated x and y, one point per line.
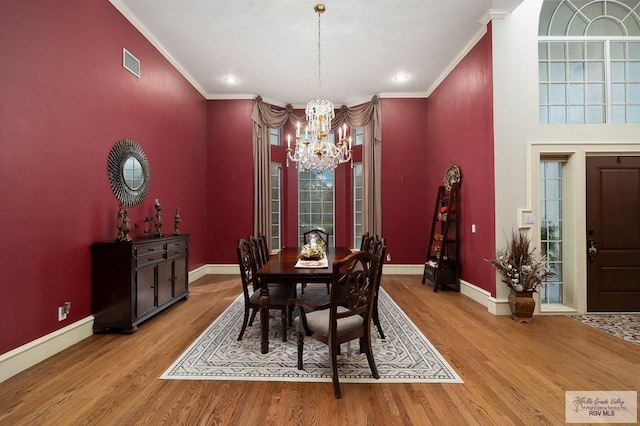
311	252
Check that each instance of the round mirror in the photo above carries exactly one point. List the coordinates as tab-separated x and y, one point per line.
132	173
128	170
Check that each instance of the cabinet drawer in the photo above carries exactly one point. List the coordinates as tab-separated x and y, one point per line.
150	253
177	249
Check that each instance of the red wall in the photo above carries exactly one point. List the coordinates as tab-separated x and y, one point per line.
229	209
65	101
406	204
460	131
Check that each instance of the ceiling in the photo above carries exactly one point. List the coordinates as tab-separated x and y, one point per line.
271	46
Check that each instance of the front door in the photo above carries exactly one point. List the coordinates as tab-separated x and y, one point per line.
613	234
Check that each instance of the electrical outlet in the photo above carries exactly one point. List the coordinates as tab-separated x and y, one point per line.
62	314
388	257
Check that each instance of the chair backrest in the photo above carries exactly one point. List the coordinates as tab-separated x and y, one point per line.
318	234
353	287
378	247
264	247
365	240
248	266
257	252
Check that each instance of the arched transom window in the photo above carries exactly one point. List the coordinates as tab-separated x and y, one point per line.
589	61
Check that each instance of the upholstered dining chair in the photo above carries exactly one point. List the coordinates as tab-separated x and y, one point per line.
278	296
257	251
318	234
378	248
365	240
264	247
348	314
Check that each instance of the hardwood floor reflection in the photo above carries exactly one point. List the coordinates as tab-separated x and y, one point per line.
514	373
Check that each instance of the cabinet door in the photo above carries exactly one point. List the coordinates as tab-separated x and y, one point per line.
145	290
165	279
180	285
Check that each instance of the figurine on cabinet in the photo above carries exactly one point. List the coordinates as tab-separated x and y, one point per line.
126	226
119	221
158	219
176	222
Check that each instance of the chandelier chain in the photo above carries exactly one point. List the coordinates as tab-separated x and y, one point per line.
319	58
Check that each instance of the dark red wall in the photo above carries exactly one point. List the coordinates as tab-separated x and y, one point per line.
229	208
65	100
460	131
406	204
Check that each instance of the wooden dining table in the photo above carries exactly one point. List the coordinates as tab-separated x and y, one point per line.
281	269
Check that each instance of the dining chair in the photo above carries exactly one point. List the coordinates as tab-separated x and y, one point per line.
257	251
309	236
365	240
348	314
378	248
278	296
318	234
264	247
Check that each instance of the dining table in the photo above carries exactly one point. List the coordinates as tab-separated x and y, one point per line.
281	269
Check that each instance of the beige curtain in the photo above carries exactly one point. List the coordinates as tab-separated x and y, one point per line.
367	116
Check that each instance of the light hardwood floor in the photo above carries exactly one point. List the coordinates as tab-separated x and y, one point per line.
513	373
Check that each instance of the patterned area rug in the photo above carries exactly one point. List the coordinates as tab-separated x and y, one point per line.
404	356
624	326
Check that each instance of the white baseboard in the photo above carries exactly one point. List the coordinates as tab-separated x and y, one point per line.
28	355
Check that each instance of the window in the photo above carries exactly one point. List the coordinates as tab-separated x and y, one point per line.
589	61
357	204
551	228
357	135
315	203
276	202
274	136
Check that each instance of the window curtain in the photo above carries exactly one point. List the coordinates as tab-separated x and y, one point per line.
367	116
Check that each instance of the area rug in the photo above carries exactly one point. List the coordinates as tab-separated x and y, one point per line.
624	326
405	355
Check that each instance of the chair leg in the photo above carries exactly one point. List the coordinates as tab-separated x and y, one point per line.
333	353
244	322
253	315
300	345
369	351
284	314
376	318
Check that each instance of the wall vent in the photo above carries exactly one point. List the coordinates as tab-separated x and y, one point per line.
130	62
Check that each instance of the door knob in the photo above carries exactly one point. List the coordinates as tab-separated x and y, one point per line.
592	251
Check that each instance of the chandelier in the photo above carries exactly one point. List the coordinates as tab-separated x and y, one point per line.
315	152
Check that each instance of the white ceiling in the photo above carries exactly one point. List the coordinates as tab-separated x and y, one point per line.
271	46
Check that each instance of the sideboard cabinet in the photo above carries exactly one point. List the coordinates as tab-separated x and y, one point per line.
135	280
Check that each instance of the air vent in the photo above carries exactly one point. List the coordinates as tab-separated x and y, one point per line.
130	62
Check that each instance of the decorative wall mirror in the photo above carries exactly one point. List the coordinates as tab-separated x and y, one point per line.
129	174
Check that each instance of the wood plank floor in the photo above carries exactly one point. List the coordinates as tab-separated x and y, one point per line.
514	374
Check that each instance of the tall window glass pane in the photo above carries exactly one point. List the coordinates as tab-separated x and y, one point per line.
276	202
357	136
274	136
316	203
357	204
551	228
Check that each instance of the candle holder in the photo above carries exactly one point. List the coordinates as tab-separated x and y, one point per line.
120	234
176	222
158	219
126	226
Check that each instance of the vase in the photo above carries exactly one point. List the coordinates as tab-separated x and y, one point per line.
522	305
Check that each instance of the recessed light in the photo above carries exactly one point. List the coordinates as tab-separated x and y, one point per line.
400	78
231	79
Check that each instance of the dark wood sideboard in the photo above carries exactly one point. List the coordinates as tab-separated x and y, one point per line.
135	280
